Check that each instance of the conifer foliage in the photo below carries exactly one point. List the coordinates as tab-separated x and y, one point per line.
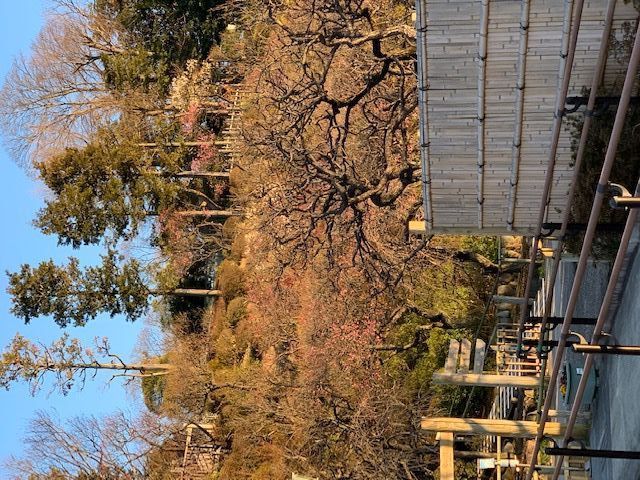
72	295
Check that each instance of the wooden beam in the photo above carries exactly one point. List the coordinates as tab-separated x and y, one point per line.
485	380
505	428
446	456
417	227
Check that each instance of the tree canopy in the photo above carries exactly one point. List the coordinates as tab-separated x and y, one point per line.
99	189
117	447
333	122
67	362
72	295
270	178
160	36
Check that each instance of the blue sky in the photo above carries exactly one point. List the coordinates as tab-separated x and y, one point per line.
20	242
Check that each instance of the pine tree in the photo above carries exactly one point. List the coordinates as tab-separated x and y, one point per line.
72	295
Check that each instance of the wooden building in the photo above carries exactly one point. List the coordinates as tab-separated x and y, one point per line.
489	72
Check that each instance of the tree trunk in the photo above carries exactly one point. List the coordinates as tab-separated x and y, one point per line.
193	174
469	256
208	107
176	113
182	144
206	213
196	292
143	368
189	292
190	174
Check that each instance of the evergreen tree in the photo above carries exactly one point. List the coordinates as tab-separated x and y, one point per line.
110	187
97	190
73	295
160	36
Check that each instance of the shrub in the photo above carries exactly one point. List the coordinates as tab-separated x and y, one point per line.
230	228
440	289
236	310
230	280
237	180
226	348
245	331
486	246
237	248
153	392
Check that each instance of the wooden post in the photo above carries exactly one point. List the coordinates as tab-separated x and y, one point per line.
446	456
418	227
513	300
498	453
451	362
187	444
485	380
505	428
478	358
465	356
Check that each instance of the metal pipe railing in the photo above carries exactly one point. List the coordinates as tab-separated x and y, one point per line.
567	63
633	350
588	452
603	315
588	241
584	135
628	202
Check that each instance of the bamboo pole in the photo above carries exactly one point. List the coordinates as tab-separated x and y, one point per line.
417	227
482	75
566	62
586	126
423	110
519	110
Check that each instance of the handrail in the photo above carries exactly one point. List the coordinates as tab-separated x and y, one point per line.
584	135
601	189
603	316
555	138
